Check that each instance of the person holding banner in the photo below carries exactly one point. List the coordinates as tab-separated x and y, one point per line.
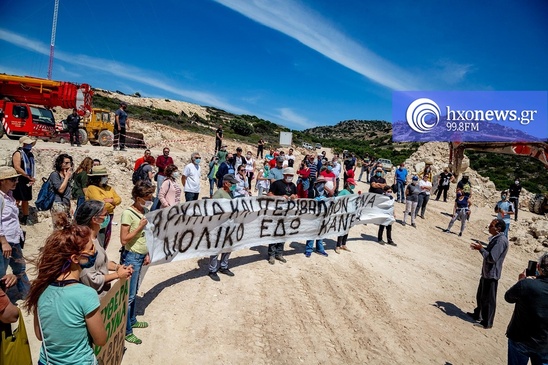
226	167
349	186
229	186
66	312
320	192
286	188
135	251
94	214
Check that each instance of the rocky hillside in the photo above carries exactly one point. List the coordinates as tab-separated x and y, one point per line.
353	129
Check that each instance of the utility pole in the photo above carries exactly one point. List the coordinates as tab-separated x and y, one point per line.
52	43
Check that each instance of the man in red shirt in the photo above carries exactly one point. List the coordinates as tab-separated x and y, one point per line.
162	162
146	158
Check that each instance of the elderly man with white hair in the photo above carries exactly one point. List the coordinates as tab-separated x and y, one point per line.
191	178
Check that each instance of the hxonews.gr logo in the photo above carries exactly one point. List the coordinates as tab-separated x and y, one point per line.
423	115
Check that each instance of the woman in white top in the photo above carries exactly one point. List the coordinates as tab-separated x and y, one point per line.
242	188
170	191
263	182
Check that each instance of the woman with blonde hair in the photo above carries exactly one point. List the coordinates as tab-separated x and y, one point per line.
80	184
65	311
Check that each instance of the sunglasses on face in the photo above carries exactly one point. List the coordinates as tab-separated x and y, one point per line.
14	179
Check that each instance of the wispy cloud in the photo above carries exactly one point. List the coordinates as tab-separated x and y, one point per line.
288	115
453	73
316	32
121	70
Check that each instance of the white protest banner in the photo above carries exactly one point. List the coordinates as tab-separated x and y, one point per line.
211	226
114	313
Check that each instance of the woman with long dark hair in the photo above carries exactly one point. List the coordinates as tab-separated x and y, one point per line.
65	311
60	180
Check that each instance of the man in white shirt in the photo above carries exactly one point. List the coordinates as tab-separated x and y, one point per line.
426	187
337	171
191	178
290	158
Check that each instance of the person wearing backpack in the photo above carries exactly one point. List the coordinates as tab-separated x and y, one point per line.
143	173
60	181
23	163
98	189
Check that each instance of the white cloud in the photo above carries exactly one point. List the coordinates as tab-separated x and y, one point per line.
121	70
288	115
312	30
453	73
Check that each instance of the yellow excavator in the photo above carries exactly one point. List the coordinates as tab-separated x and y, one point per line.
537	150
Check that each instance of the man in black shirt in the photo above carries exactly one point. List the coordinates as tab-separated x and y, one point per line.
73	123
444	182
377	182
218	138
528	329
286	188
515	190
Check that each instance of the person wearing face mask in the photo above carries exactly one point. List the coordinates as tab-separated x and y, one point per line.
465	185
191	177
276	173
515	190
377	182
424	196
284	188
170	192
400	179
263	182
60	180
249	168
330	178
227	167
444	181
411	200
505	210
98	189
134	249
225	192
461	210
67	316
23	163
349	187
320	193
73	123
121	125
387	192
93	213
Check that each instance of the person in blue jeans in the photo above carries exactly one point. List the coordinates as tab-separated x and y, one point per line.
135	251
11	234
400	179
319	193
504	210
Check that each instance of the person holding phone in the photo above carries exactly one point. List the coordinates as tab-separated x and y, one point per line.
61	181
528	329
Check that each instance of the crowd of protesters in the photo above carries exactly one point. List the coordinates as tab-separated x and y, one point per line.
75	271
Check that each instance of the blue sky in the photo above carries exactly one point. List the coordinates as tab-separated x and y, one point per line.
297	63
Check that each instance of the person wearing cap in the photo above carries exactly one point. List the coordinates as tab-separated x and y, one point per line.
276	173
504	210
60	180
286	188
465	185
229	184
319	193
73	124
218	138
121	125
98	189
374	170
377	182
411	200
23	162
400	179
11	234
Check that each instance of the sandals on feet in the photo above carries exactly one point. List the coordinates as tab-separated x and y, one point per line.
139	325
133	339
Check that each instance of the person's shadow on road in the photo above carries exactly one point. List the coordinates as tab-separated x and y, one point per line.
452	310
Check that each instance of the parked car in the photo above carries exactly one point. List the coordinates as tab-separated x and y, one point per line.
308	146
386	164
318	146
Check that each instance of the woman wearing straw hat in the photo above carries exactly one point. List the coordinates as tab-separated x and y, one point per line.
99	190
11	234
23	162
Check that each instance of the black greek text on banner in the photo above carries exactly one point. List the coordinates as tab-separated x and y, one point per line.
212	226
